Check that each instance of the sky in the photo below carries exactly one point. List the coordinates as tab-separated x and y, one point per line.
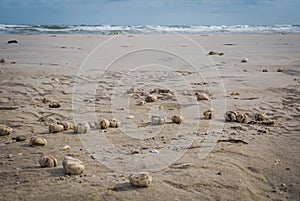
150	12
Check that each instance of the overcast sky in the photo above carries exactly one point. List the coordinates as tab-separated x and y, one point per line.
150	12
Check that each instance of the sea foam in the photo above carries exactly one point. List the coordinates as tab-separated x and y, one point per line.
145	29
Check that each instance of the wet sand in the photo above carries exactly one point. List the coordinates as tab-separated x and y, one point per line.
206	159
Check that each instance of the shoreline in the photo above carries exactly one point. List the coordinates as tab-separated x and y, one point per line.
143	34
148	29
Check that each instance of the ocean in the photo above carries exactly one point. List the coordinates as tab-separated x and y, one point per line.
146	29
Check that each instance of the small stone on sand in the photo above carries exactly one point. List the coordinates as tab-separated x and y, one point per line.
235	93
141	103
72	166
66	147
113	123
48	161
242	118
12	41
276	162
38	141
177	119
154	151
82	128
135	151
280	69
56	128
216	53
230	116
157	120
130	117
104	124
143	179
244	60
66	125
202	96
150	99
260	116
208	114
54	105
5	130
3	60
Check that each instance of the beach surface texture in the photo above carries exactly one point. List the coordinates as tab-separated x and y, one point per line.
125	104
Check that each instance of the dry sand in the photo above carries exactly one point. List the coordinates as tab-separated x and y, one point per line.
43	68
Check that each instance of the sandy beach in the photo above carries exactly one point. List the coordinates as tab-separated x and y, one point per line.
106	76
